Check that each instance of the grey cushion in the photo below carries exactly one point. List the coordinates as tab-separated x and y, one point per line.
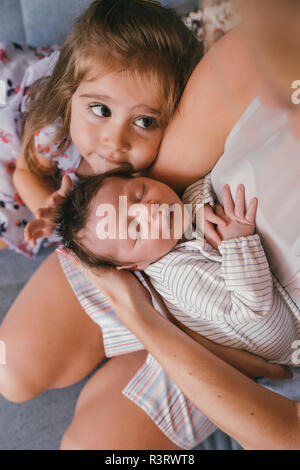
46	22
11	21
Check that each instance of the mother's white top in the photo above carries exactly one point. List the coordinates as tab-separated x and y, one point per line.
262	153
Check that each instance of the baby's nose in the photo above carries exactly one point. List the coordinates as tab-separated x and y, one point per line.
153	208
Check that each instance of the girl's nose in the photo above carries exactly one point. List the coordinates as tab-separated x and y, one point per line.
116	136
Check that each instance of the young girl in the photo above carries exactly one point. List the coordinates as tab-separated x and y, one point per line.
19	66
141	59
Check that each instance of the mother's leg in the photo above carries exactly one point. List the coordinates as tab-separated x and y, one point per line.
50	341
106	419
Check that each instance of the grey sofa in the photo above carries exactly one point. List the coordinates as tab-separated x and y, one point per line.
45	22
40	423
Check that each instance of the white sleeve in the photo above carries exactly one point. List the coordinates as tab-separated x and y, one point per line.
247	274
201	192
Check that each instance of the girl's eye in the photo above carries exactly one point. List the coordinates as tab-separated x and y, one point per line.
146	122
100	110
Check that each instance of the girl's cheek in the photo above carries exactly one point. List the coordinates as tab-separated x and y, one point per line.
150	153
144	160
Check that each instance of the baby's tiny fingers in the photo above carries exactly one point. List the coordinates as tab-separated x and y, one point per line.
251	211
227	201
239	208
215	219
211	235
221	215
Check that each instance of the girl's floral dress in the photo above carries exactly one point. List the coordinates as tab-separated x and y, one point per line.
20	67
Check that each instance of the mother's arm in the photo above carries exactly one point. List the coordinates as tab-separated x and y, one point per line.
220	89
256	417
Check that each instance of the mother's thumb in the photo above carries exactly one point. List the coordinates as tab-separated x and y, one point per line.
278	372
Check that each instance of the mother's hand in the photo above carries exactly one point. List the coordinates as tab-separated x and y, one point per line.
131	300
121	287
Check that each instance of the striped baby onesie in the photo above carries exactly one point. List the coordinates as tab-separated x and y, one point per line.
229	296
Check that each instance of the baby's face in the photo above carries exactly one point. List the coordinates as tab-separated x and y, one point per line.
131	220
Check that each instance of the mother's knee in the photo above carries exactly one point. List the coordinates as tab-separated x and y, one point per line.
18	377
72	440
15	386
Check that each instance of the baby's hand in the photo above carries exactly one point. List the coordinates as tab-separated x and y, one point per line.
239	222
43	226
210	221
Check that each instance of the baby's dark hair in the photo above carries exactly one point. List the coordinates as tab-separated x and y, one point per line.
73	213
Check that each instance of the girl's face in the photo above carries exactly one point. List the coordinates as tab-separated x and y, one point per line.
115	121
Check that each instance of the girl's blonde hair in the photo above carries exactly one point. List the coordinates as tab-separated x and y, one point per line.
133	36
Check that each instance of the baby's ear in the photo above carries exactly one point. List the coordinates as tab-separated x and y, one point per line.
134	266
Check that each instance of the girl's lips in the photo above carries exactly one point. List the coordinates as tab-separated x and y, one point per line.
111	160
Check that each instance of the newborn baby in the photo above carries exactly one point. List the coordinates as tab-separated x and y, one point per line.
226	293
104	220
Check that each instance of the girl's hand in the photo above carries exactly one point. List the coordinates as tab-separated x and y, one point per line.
43	226
239	222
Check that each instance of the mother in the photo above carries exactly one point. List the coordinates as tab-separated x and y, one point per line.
214	101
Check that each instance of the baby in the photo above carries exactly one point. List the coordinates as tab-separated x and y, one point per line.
226	293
